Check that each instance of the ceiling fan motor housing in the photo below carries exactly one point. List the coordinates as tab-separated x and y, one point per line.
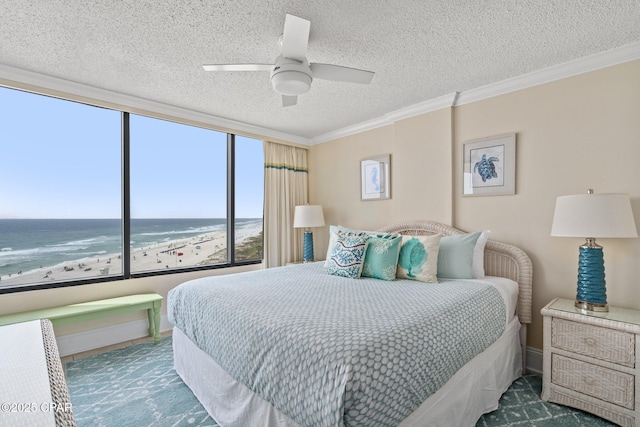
291	77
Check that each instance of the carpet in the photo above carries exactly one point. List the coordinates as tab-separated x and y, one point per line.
520	405
133	386
137	386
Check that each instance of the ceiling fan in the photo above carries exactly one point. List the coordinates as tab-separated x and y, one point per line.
291	73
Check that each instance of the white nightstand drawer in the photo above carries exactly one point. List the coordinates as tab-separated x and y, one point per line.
594	341
591	361
596	381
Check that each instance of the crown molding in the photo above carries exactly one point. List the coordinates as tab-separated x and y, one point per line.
389	118
74	89
434	104
594	62
351	130
576	67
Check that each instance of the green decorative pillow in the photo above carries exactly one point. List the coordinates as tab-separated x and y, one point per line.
418	258
381	258
347	256
455	259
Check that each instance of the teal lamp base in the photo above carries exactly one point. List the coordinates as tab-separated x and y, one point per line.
592	291
307	254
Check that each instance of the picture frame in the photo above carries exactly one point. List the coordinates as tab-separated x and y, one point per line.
490	166
375	178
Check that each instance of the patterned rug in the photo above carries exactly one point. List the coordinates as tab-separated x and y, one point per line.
137	386
521	406
133	386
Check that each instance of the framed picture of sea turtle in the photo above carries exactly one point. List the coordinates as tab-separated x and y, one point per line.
375	179
490	166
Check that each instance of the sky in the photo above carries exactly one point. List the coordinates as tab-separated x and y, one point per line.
62	159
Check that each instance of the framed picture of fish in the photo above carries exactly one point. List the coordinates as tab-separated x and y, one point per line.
490	166
375	178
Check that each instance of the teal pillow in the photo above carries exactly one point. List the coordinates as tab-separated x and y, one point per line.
347	256
418	258
455	258
381	258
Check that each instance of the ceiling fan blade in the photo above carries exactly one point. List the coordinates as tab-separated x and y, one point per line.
238	67
288	100
295	38
340	74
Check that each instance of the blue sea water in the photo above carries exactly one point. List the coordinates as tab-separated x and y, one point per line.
28	244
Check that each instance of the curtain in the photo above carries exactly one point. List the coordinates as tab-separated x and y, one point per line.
285	187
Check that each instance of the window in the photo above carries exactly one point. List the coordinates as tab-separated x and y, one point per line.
249	197
60	189
178	195
71	213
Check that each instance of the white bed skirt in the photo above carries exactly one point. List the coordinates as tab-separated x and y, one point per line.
474	390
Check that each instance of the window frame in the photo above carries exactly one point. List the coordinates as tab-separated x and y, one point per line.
126	214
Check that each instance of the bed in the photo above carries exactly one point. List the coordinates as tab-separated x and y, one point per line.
296	346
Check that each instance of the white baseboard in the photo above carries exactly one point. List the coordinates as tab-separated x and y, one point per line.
534	360
102	337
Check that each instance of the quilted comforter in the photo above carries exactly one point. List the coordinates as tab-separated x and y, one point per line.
333	351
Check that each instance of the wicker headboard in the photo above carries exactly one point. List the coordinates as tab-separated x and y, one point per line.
500	259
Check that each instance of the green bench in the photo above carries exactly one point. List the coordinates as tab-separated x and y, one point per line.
94	309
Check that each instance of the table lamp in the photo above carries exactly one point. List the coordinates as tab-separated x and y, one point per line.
308	216
590	216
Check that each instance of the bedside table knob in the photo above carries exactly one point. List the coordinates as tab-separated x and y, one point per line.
590	342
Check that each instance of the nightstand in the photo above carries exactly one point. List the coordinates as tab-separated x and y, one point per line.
592	361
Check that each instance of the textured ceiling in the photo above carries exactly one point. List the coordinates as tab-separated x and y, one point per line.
419	49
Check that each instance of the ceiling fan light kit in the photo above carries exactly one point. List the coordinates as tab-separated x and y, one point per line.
291	82
290	77
292	74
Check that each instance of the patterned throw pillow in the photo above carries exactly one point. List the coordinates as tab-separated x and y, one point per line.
333	230
381	258
418	258
347	256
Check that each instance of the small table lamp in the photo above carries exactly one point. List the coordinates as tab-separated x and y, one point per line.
307	216
593	215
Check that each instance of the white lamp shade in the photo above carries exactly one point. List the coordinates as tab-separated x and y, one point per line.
594	215
307	216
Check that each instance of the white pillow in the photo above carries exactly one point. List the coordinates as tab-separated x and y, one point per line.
478	255
333	236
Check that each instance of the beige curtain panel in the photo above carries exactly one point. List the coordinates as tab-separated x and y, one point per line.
285	187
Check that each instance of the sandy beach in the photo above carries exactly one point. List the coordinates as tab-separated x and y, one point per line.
208	248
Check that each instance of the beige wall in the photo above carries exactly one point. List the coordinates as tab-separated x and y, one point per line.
573	134
421	174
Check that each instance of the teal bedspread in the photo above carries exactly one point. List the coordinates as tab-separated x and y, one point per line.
333	351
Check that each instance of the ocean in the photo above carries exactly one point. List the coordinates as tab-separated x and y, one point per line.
29	244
